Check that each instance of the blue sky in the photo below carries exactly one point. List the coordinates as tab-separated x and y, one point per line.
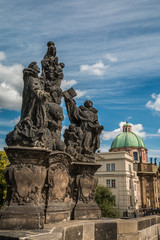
111	51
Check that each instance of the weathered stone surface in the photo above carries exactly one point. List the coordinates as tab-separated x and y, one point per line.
86	182
57	212
74	233
88	231
59	177
22	217
86	211
25	177
105	231
157	219
41	114
144	223
153	221
42	174
125	226
82	137
58	195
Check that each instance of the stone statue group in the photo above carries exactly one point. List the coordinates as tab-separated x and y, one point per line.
48	179
41	119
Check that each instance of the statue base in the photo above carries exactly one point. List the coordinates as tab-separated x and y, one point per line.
57	212
22	217
87	211
25	178
86	207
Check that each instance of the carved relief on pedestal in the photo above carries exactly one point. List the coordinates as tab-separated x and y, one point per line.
25	182
58	177
87	184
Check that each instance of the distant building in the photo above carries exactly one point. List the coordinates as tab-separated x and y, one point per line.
131	143
125	169
117	173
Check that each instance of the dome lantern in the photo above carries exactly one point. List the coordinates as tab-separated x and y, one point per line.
127	127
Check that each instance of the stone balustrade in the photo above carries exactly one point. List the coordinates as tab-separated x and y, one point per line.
104	229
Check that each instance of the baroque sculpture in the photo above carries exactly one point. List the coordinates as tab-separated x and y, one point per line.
82	138
50	180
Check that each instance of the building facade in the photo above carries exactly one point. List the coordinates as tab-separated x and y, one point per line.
117	172
125	169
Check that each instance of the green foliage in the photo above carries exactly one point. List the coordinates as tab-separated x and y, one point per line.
3	186
106	201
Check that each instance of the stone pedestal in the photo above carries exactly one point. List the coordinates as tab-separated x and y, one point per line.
86	208
58	180
25	178
87	211
22	217
58	211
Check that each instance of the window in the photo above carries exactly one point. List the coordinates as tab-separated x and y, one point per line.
130	184
108	182
110	167
130	200
113	167
135	156
107	167
113	183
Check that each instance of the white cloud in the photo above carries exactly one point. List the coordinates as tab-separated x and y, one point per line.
159	130
2	56
80	93
63	129
136	128
111	58
7	123
155	103
96	69
9	97
67	84
16	120
11	84
104	148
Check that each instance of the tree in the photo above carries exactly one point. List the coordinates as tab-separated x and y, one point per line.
106	201
3	186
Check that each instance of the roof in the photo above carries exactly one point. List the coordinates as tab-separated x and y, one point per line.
127	124
127	139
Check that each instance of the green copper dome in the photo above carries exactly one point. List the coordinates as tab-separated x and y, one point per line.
127	139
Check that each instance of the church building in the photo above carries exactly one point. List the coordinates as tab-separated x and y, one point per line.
126	170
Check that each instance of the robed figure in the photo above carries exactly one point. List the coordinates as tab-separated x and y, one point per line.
84	118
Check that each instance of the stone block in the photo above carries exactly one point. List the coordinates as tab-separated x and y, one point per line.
88	231
132	236
74	233
158	219
127	226
144	223
22	217
89	211
153	221
56	212
106	231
